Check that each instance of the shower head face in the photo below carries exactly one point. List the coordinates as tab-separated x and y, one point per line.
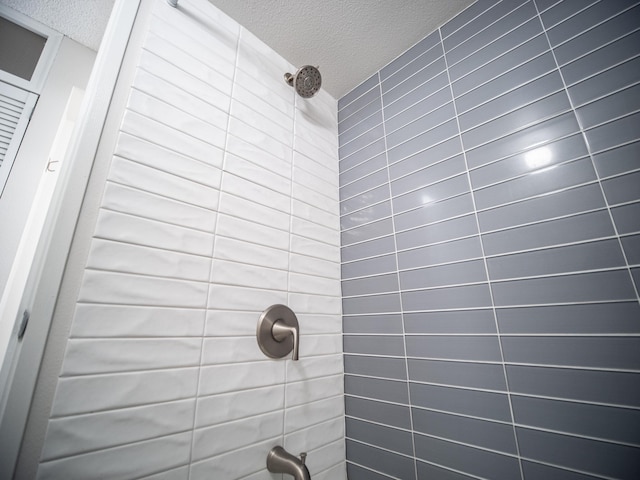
307	81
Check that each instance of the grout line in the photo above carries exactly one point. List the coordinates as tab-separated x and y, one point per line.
172	152
611	93
369	469
506	204
364	190
531	79
260	167
604	70
257	146
624	116
636	288
467	213
497	362
520	85
433	50
467	474
404	342
494	40
173	469
475	17
586	5
578	435
406	111
362	134
328	176
422	115
341	464
432	128
504	54
442	141
486	268
338	110
287	361
261	132
493	392
359	149
465	444
249	417
258	120
600	47
450	469
151	193
192	137
374	422
511	228
263	107
587	473
569	273
497	307
149	93
215	229
590	28
184	30
208	458
114	447
471	334
152	276
153	51
120	408
540	74
379	401
385	449
528	103
125	242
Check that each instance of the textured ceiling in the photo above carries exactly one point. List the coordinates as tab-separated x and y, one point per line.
348	39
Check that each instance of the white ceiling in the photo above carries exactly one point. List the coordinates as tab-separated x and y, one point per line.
348	39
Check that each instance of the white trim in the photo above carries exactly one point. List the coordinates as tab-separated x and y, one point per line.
48	55
44	280
10	301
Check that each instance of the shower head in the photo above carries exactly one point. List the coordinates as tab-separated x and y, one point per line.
306	81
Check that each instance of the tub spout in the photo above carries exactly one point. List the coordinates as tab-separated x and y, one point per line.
281	461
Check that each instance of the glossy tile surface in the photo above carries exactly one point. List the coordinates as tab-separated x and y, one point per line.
499	303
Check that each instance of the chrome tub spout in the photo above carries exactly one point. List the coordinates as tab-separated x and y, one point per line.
281	461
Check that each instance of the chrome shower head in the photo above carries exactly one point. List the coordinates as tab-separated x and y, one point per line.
306	81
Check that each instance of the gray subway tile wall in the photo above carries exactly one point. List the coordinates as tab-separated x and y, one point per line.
490	202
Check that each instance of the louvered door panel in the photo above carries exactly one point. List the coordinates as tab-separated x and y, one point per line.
16	106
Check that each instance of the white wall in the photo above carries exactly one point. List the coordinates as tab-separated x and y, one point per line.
220	200
71	68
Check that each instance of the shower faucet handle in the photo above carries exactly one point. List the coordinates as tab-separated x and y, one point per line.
278	332
303	457
281	332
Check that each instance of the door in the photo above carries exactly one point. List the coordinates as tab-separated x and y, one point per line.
16	106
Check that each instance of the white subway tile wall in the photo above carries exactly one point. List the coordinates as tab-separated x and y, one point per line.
490	215
221	199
